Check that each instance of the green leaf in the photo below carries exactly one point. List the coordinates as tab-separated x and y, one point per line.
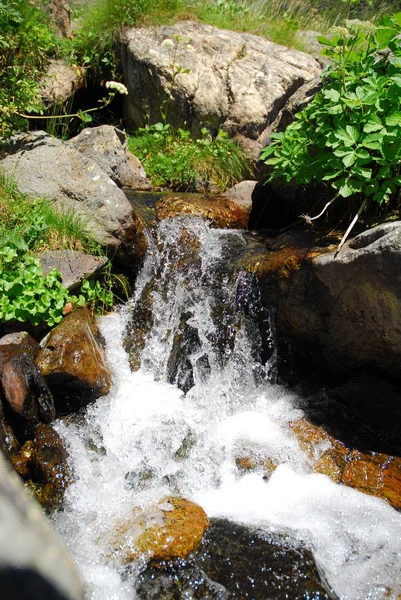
396	79
325	41
374	124
331	94
394	118
384	35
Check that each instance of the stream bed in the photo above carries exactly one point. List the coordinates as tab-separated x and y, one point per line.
203	397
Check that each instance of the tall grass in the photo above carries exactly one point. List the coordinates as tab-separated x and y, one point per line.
39	225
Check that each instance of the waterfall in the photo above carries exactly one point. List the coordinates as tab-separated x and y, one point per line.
203	396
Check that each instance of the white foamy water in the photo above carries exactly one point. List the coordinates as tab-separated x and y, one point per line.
147	440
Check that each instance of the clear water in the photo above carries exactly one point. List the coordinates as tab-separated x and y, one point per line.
127	450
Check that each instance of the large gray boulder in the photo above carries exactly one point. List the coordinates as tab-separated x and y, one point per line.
107	146
33	563
46	167
236	81
340	312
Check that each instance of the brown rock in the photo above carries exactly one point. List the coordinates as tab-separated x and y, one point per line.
73	359
173	529
23	384
49	464
372	473
223	212
21	465
21	339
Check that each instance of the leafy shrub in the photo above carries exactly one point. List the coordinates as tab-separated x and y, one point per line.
26	43
173	159
28	226
25	294
350	134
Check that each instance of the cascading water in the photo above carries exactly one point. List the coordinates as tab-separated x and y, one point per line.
148	439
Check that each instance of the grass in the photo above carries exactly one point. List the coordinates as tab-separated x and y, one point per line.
172	159
39	225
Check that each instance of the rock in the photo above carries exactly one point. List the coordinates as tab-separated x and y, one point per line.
44	166
74	363
49	464
308	39
107	146
61	16
340	313
173	528
236	81
225	211
24	386
74	266
60	82
235	562
22	339
33	563
372	473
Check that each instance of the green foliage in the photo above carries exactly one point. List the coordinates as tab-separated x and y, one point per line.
40	224
25	294
350	134
173	159
26	43
31	226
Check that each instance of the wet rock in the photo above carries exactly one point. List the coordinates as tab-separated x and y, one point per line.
49	464
107	146
73	362
339	313
22	339
372	473
177	580
44	166
226	211
24	386
9	444
171	529
34	565
235	562
74	266
236	81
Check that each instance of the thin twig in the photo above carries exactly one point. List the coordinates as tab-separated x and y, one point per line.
354	220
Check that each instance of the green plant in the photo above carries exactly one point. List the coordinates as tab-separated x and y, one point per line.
25	294
40	224
26	43
173	159
350	134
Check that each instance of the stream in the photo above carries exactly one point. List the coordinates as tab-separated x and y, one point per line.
204	396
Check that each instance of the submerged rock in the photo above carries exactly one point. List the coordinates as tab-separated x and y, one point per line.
235	81
73	362
171	529
235	562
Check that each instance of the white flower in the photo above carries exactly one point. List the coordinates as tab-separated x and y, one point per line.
119	87
167	43
189	48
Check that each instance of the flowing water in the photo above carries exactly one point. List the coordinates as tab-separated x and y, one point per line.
148	439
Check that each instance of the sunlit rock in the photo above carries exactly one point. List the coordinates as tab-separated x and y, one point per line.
372	473
230	80
107	146
171	529
74	363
